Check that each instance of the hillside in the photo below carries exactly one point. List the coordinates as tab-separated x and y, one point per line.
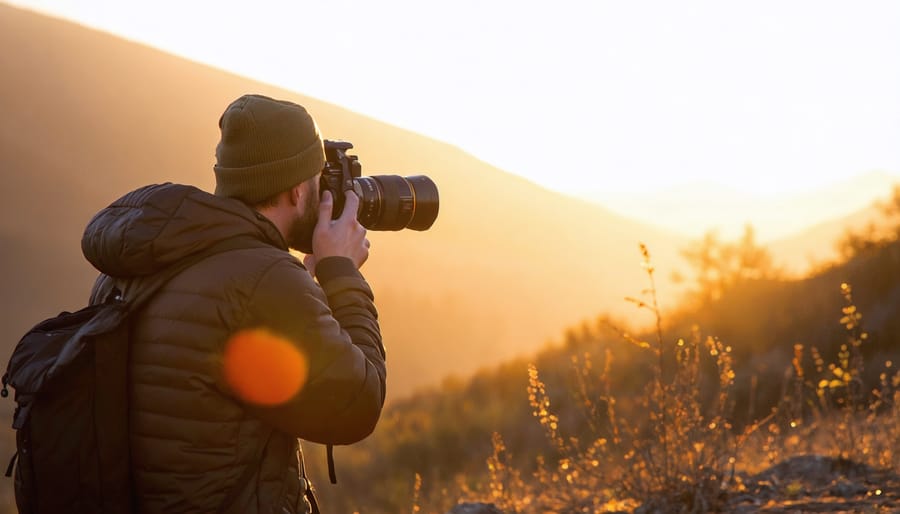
445	434
88	116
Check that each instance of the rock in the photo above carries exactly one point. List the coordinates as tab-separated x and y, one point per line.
475	508
847	489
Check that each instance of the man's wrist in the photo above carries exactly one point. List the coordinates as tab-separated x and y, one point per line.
333	267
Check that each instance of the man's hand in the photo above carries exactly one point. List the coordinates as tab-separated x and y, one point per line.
343	237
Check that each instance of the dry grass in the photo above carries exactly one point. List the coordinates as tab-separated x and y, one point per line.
673	449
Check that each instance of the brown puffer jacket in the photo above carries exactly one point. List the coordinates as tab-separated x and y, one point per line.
192	436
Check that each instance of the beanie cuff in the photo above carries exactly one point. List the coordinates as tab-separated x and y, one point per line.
253	184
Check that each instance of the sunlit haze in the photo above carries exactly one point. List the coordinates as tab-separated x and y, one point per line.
604	100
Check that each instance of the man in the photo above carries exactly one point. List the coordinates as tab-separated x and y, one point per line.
243	352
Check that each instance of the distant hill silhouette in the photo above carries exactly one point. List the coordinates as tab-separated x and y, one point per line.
817	245
88	116
695	208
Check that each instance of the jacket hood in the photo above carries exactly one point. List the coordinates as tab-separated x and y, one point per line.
155	226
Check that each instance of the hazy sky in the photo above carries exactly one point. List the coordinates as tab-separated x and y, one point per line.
579	96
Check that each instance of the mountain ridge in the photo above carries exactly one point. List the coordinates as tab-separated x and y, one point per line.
776	216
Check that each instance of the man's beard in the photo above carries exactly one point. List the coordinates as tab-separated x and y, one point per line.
300	235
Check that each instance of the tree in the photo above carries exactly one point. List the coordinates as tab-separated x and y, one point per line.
873	235
719	265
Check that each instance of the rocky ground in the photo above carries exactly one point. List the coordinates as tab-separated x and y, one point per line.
818	484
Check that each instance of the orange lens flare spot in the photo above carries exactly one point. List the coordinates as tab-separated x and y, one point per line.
264	368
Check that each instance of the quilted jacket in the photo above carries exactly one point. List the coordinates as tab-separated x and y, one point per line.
197	442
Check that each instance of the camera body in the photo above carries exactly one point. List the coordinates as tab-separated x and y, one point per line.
386	202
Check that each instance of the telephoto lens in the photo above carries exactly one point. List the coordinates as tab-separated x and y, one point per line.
392	202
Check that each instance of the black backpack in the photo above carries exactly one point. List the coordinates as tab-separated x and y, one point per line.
70	375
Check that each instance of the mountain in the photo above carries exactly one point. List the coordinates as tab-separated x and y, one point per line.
88	116
817	245
801	230
693	209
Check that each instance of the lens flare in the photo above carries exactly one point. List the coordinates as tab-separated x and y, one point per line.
264	368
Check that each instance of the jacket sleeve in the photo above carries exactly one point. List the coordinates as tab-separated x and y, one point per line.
335	327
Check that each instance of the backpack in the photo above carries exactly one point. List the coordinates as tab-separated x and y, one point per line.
70	375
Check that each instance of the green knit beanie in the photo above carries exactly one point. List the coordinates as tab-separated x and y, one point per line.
267	146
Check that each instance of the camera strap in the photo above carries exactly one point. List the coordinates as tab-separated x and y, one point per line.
329	452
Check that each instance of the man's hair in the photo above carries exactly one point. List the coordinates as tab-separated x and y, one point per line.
270	201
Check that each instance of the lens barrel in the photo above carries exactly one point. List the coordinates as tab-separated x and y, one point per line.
392	202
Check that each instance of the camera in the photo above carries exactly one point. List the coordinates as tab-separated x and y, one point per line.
386	202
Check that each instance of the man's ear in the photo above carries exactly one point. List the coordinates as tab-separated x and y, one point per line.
295	194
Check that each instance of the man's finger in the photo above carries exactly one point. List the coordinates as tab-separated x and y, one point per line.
351	205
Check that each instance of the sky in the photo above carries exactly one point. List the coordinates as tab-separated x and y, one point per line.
592	98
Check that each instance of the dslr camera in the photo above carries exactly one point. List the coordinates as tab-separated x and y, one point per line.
386	202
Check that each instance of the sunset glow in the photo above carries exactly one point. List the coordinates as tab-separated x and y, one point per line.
617	103
590	98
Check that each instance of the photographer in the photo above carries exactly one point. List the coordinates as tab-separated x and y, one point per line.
248	349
